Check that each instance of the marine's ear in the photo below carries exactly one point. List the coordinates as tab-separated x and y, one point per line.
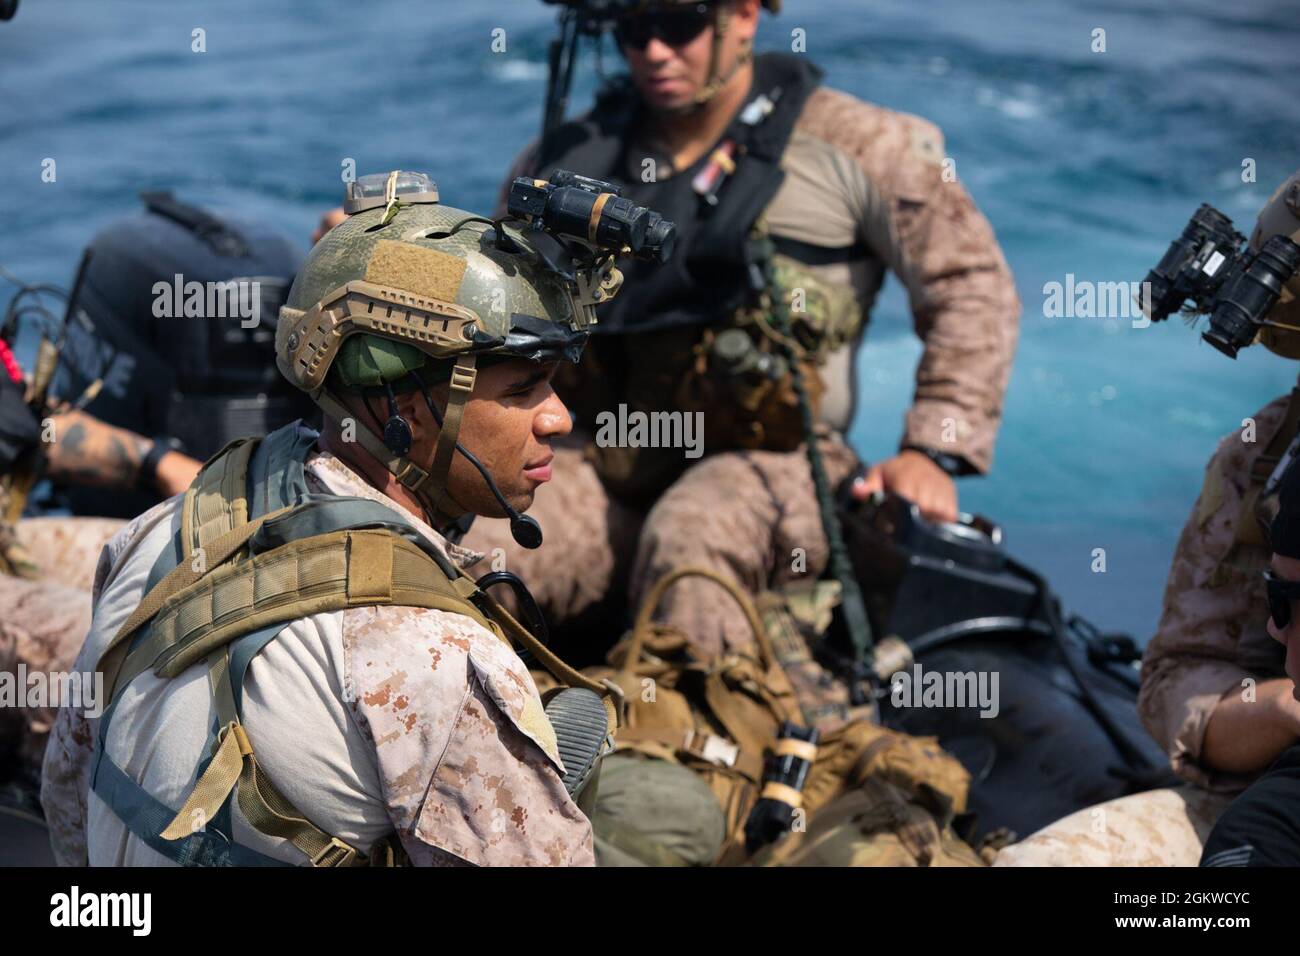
411	407
745	14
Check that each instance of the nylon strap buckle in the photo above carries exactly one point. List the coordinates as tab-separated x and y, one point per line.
334	853
462	379
711	747
410	474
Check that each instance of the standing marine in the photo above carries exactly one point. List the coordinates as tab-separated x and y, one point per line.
296	669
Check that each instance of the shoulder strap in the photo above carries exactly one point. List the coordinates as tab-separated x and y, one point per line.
1253	518
217	500
248	478
215	529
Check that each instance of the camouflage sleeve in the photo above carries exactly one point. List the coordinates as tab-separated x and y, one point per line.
65	771
468	762
65	784
925	226
1211	636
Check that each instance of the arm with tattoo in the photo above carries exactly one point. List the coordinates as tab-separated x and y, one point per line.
84	450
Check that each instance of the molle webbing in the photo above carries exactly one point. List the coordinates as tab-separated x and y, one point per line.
315	575
177	580
217	501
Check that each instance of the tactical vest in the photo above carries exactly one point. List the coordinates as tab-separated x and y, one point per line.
1249	551
665	344
255	551
1260	506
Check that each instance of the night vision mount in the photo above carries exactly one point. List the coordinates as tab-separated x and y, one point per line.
593	223
578	18
589	220
1209	269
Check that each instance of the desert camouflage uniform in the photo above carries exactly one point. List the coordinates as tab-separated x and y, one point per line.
748	514
1166	827
856	174
369	720
45	614
1211	639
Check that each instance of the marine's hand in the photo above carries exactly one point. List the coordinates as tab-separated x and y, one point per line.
175	473
1248	731
1288	708
915	477
328	222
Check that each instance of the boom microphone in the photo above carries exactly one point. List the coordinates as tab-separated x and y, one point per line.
523	528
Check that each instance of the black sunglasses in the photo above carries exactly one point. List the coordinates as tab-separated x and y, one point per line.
1281	593
676	26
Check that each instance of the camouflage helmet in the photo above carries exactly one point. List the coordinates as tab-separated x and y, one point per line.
1281	217
407	291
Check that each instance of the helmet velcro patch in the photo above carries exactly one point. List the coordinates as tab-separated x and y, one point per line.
414	269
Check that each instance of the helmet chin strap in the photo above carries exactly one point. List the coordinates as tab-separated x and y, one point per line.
523	528
717	80
462	384
428	487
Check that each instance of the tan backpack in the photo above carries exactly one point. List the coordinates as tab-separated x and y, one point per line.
874	795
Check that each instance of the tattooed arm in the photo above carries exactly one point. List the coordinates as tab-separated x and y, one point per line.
84	450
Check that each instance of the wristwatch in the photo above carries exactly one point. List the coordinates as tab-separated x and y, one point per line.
954	466
146	478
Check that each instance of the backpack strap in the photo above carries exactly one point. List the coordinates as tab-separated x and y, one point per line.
183	576
217	500
215	528
234	768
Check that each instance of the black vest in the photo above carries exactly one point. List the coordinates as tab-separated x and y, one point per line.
708	277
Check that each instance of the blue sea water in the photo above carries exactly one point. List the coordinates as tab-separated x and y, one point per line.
1087	163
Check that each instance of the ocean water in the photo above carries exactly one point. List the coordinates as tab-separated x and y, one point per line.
1087	163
